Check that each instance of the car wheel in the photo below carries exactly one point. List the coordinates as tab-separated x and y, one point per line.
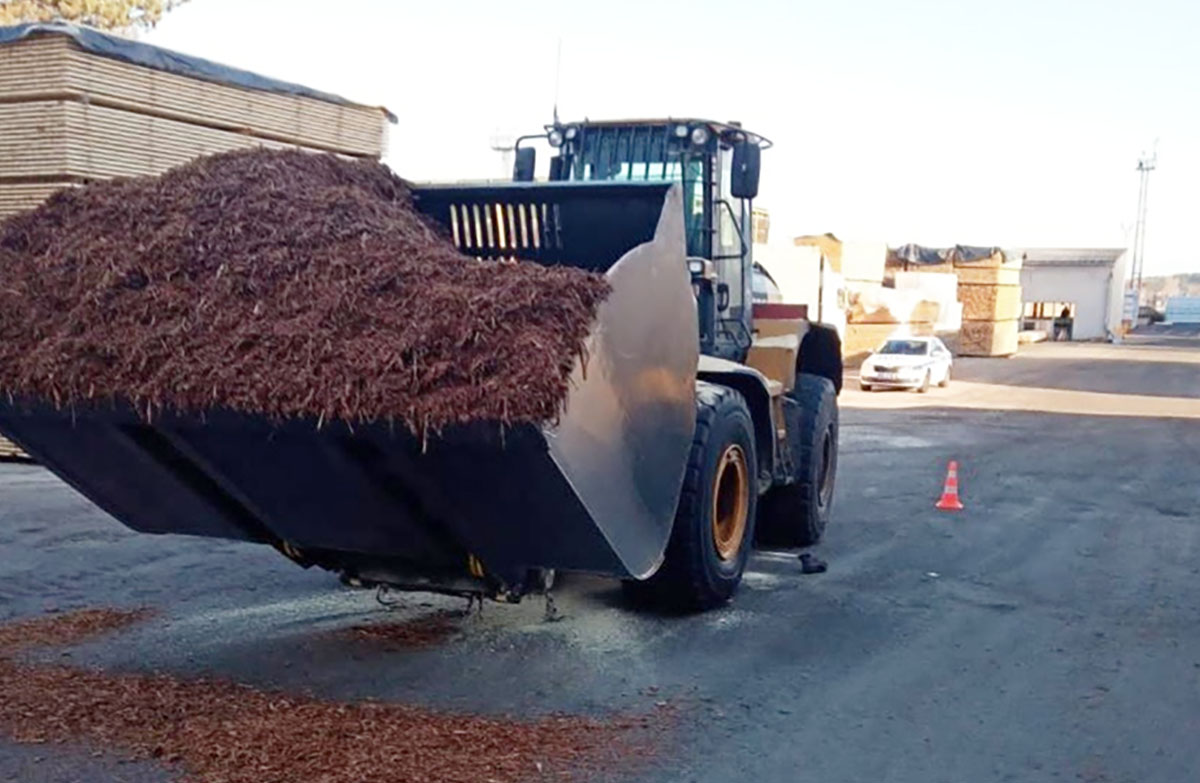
864	386
924	387
945	379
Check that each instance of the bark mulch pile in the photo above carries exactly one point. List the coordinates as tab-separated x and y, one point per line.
284	283
426	631
220	732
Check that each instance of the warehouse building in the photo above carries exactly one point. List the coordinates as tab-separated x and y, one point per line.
1080	288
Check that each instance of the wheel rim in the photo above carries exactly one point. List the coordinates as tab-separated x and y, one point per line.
731	502
825	478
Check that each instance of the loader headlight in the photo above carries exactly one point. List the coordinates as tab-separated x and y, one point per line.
699	136
555	138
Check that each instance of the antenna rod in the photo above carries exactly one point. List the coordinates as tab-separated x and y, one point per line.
557	77
1146	164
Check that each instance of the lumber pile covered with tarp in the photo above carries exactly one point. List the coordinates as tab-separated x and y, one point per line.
282	283
989	290
78	105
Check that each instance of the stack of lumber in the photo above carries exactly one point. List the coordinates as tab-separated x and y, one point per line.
877	316
69	115
990	292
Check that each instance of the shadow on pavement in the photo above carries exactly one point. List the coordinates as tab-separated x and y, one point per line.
1116	376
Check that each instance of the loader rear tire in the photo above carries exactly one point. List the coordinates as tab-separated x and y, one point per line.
796	514
713	531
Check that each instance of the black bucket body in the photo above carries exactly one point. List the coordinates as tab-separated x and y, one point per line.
595	491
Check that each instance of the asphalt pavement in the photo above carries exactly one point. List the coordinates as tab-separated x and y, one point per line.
1049	632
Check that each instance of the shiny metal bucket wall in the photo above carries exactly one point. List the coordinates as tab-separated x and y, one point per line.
624	438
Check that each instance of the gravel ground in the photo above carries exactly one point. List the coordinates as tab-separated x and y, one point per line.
1049	632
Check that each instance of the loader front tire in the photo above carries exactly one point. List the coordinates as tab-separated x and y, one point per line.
713	530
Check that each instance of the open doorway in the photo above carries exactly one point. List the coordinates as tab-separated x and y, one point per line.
1056	319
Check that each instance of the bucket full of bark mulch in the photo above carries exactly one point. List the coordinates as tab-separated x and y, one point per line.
282	283
288	347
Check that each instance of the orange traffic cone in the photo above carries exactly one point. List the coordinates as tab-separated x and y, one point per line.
949	500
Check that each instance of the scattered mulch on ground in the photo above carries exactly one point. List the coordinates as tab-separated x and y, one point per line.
70	628
284	283
220	732
428	630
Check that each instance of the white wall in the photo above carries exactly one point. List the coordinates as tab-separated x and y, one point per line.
1116	294
1089	287
797	271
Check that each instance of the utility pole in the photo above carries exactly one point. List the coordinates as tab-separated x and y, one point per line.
1146	164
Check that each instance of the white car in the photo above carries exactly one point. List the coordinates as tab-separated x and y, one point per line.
907	363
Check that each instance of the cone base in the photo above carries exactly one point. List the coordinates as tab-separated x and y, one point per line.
949	503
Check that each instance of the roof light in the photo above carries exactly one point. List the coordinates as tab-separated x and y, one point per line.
681	131
572	132
555	138
699	135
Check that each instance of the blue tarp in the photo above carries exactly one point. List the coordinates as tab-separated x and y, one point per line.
138	53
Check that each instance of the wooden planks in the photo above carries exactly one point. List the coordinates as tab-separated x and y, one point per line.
69	116
990	302
990	292
61	140
988	338
1009	275
19	196
53	66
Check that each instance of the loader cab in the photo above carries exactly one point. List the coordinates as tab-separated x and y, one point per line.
717	165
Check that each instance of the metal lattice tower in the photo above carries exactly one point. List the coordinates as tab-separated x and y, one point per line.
1146	164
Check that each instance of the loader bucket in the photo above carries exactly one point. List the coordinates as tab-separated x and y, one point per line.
595	491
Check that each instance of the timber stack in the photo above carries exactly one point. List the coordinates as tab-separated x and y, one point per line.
989	288
77	105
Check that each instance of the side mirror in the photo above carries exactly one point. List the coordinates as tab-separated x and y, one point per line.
524	164
556	169
747	162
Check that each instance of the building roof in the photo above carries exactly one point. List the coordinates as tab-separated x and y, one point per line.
1071	256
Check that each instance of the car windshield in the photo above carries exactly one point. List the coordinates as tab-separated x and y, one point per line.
905	347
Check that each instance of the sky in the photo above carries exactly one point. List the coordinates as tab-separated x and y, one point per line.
1017	123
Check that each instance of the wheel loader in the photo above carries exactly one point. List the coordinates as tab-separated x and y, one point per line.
697	422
